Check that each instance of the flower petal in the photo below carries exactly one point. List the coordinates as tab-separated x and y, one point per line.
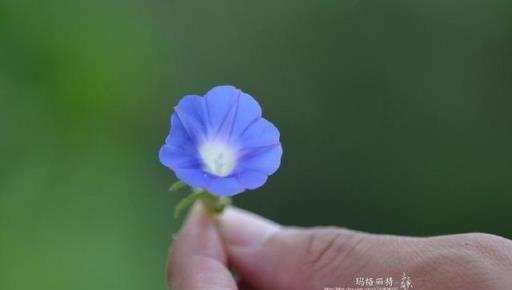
179	138
191	113
251	179
193	177
259	133
249	111
221	106
174	158
224	186
264	159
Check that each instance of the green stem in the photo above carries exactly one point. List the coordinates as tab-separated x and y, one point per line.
214	204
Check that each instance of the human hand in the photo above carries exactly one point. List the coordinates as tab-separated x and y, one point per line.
269	256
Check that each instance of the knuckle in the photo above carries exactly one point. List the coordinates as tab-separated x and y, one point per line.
324	246
486	239
479	243
314	254
477	257
488	247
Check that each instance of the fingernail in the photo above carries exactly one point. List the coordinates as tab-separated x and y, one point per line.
245	229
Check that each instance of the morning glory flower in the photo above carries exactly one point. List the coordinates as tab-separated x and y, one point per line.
221	143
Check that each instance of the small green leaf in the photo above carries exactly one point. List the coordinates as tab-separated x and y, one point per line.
177	185
186	202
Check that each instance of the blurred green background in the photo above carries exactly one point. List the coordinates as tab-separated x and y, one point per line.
395	117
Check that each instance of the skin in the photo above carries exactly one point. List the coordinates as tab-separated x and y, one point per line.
270	256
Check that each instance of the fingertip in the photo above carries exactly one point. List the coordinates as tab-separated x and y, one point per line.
242	228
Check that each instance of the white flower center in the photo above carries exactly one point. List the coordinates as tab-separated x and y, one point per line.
218	158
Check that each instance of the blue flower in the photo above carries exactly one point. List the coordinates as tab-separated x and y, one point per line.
221	143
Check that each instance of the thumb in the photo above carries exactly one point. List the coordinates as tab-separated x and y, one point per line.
270	256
